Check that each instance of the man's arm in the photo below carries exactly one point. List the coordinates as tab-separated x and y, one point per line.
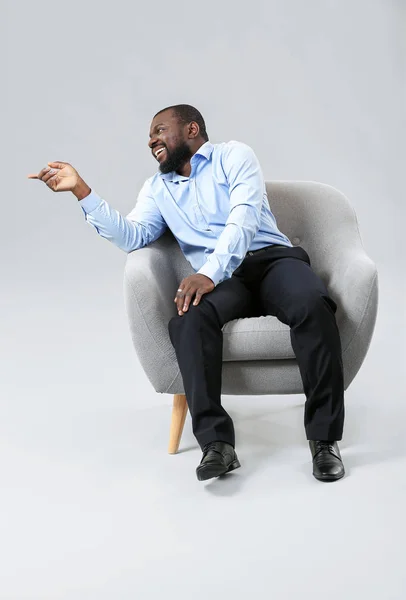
247	190
142	226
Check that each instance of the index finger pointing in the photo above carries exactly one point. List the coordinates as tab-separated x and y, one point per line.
32	176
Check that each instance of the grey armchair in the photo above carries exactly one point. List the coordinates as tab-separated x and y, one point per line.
257	354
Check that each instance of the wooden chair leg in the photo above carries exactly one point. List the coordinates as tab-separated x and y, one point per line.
179	412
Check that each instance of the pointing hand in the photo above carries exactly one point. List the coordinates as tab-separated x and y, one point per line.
59	177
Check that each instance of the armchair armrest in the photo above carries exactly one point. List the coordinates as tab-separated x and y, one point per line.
354	288
151	277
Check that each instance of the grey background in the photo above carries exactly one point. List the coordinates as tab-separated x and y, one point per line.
91	506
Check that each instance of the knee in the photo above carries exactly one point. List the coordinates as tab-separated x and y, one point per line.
174	322
307	304
194	315
316	302
319	302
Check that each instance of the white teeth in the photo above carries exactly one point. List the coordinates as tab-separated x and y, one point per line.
158	152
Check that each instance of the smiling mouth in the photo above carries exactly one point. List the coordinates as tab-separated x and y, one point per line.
159	152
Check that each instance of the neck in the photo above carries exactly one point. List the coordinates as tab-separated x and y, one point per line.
186	168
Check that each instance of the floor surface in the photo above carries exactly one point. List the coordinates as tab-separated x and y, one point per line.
92	507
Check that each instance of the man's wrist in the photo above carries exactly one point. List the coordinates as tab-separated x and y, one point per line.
81	190
210	271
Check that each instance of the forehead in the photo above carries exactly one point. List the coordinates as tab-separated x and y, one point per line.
165	118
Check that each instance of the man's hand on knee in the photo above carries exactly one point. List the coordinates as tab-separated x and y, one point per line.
194	284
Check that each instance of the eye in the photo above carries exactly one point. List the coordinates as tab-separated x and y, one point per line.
160	129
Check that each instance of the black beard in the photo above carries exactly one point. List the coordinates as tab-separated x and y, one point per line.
175	158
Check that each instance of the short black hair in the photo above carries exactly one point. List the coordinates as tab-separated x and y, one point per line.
187	114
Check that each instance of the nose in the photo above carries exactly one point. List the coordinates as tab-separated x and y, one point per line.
153	140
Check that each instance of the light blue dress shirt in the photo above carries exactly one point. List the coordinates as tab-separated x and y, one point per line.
217	214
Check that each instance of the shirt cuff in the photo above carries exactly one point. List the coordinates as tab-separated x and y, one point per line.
213	272
92	201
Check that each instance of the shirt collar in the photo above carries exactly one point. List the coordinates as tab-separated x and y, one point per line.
205	150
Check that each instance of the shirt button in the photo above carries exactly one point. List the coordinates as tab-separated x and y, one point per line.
296	241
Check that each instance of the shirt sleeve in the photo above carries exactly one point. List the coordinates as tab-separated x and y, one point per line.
247	189
142	226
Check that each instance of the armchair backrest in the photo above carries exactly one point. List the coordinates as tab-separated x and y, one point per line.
317	217
313	215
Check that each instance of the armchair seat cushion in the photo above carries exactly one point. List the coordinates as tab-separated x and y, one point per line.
256	338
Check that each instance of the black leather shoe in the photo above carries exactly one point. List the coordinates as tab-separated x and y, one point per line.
327	462
218	458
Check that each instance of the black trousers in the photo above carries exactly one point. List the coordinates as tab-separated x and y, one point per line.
279	281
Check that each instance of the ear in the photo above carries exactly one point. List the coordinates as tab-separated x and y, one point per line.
194	130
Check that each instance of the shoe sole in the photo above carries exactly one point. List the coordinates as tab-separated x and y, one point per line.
329	477
209	471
